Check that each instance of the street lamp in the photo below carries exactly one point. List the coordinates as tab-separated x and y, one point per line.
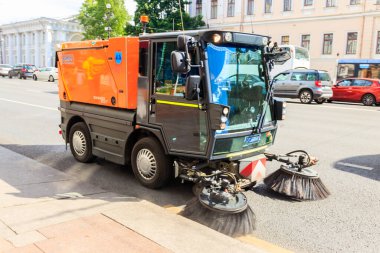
107	16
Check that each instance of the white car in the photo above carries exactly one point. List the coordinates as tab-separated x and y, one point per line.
4	69
48	74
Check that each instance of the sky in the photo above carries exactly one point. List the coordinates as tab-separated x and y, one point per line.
19	10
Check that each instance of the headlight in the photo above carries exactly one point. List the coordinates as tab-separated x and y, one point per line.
223	119
222	126
228	37
216	38
225	111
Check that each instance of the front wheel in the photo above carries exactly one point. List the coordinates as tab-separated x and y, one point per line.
34	77
19	75
319	101
10	76
368	99
80	142
306	97
51	79
150	164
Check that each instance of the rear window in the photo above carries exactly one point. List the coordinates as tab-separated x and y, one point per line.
324	76
30	67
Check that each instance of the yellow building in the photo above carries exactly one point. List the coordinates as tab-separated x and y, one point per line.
330	29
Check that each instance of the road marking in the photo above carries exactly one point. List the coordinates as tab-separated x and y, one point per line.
343	108
355	166
248	239
33	105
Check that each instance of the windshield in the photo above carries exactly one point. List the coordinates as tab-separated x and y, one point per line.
237	80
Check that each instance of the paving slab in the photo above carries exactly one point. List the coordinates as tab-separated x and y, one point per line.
27	238
95	234
173	231
27	249
5	245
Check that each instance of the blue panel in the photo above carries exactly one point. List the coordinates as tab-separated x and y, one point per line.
118	57
360	61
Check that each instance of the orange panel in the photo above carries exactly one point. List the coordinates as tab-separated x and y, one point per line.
100	72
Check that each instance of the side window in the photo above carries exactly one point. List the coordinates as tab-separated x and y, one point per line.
281	77
345	83
164	80
143	61
298	77
311	77
361	83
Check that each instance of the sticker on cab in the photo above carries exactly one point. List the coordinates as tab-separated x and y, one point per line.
118	57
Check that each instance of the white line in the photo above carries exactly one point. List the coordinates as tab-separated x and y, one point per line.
348	108
22	103
355	166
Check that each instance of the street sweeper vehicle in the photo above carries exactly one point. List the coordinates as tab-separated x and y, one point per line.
192	105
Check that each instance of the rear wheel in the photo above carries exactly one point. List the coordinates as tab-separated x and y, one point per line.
51	79
34	77
80	142
150	164
19	76
10	76
306	97
319	100
368	99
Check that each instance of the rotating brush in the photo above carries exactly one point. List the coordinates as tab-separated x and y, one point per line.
224	212
295	180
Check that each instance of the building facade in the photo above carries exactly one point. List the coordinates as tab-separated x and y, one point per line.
34	41
330	29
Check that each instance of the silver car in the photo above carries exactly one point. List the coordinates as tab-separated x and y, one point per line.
305	84
4	69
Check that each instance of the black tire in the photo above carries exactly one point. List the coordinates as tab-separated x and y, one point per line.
10	76
329	101
146	153
34	77
51	79
320	100
80	142
306	96
368	100
19	76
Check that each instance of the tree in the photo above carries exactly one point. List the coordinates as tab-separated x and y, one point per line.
164	16
95	17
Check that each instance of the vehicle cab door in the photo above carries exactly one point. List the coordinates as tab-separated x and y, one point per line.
183	124
359	87
298	80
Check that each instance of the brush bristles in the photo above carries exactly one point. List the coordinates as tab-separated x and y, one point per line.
297	186
234	225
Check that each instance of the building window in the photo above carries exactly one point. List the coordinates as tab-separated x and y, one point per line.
305	41
214	9
354	2
327	43
250	7
285	40
287	5
352	40
198	8
268	6
307	2
330	3
231	8
378	43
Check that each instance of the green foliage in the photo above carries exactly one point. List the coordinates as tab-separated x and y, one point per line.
164	16
93	15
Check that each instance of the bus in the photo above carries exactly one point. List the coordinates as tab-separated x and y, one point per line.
300	59
363	68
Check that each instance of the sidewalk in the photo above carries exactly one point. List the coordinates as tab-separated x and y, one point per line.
44	210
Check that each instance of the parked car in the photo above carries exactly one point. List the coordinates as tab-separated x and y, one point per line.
305	84
22	71
48	74
4	69
364	90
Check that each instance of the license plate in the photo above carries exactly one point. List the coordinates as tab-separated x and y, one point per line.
252	139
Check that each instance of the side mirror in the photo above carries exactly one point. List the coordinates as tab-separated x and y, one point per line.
279	57
279	109
179	62
182	41
192	87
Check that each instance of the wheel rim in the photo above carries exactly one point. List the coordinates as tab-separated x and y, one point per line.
79	143
146	164
305	97
51	79
368	100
